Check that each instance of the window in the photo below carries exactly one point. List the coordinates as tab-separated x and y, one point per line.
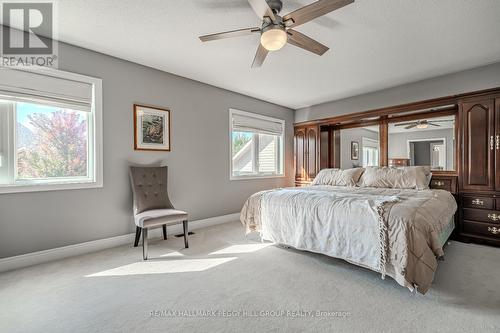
256	145
50	131
370	152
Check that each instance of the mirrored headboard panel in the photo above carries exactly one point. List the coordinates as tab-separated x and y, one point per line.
418	137
359	147
427	141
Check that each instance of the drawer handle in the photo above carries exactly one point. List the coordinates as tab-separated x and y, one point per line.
494	217
438	183
478	202
494	230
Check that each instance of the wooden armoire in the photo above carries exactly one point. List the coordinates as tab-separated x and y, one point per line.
307	159
479	179
475	182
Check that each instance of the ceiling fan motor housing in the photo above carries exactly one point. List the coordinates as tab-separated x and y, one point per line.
277	24
275	5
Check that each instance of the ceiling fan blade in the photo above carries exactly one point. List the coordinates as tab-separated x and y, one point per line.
411	126
404	124
260	56
229	34
429	123
262	9
442	121
312	11
298	39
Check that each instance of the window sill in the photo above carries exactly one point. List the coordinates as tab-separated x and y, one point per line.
255	177
23	188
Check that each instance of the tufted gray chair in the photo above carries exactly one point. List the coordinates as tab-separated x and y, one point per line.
152	207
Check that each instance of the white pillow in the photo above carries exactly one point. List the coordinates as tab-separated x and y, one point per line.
390	177
338	177
427	171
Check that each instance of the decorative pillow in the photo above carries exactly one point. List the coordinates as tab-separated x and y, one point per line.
390	177
338	177
427	172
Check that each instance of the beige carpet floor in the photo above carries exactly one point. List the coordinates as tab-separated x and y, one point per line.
228	283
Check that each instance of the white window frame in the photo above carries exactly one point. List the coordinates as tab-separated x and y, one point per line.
281	152
369	143
94	123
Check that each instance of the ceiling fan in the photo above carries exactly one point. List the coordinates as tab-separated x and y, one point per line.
275	30
422	124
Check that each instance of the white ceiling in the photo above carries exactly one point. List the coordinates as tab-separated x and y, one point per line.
374	44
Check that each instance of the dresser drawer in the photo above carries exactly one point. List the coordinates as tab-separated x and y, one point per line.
441	184
490	216
479	202
479	228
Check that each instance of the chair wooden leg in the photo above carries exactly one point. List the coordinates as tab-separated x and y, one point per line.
164	231
137	235
185	226
145	244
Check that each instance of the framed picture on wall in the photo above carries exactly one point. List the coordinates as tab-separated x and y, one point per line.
151	128
354	150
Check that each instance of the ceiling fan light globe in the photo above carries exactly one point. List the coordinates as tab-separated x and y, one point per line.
273	39
422	126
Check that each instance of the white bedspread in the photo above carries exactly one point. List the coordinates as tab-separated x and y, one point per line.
386	230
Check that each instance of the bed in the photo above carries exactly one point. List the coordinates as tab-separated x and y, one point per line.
398	232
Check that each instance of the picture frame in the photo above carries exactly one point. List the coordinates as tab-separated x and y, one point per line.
354	150
151	128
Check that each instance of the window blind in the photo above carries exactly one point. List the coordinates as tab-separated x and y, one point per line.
247	123
25	86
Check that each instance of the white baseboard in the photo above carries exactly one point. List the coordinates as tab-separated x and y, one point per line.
29	259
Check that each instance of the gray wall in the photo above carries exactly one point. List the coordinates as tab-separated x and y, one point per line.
398	145
461	82
198	163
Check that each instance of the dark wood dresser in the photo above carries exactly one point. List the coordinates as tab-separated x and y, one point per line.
480	170
445	182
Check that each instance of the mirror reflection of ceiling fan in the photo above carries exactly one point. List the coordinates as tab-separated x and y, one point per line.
422	124
275	30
